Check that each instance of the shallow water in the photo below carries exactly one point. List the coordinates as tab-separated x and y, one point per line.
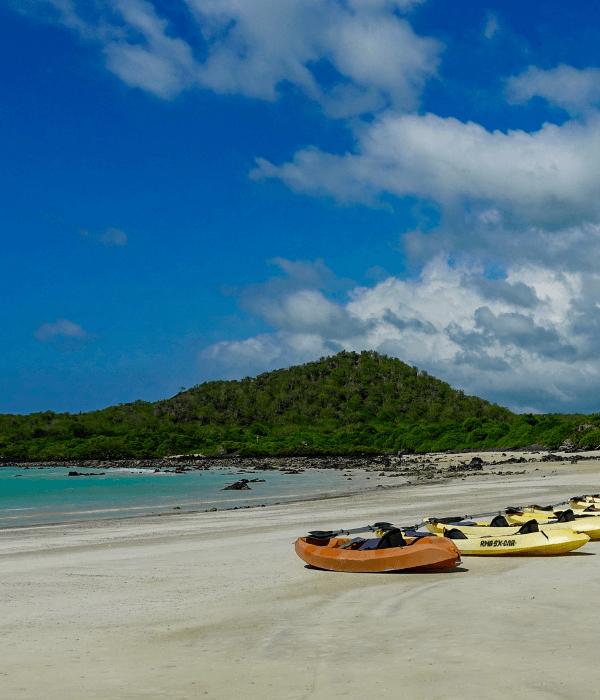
49	495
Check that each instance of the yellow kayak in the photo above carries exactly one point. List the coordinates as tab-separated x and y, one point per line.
529	541
552	512
585	502
486	530
587	525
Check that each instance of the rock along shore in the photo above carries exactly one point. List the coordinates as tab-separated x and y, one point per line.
435	465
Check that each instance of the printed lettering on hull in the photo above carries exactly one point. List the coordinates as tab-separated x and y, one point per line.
497	543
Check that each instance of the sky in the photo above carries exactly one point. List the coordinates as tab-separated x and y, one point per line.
195	190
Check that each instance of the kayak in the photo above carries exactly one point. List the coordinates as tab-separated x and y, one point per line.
554	511
479	529
586	525
486	529
530	541
373	556
585	503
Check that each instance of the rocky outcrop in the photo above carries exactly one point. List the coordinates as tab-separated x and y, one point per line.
241	485
86	473
568	446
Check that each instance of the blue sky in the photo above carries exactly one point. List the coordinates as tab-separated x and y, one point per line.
204	189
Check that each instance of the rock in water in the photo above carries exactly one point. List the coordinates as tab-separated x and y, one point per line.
241	485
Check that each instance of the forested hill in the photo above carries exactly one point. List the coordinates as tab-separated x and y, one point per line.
347	389
351	402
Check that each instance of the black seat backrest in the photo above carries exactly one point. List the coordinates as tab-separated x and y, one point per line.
455	534
529	527
541	507
499	521
565	516
392	538
350	543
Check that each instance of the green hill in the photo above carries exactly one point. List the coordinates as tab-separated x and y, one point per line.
351	402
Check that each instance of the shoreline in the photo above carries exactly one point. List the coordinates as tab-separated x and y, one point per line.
468	474
439	468
357	461
218	605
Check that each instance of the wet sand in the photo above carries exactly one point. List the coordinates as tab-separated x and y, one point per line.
217	605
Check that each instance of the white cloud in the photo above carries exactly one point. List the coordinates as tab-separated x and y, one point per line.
550	177
309	312
161	64
113	237
386	55
492	26
61	328
527	340
573	90
250	47
265	351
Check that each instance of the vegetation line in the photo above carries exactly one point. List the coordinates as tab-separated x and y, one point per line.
346	404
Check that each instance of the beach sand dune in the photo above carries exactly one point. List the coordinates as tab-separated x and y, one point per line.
217	605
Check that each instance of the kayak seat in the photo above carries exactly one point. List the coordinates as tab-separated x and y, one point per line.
499	521
565	516
318	541
369	544
416	536
455	534
529	527
392	538
356	540
549	508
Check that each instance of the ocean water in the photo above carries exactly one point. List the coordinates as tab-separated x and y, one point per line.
48	495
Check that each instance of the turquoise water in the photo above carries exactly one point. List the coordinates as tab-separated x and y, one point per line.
49	495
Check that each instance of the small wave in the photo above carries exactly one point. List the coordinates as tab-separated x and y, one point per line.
8	510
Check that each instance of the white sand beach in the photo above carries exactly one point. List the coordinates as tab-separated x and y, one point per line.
217	605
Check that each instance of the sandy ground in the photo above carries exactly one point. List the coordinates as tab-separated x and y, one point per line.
217	605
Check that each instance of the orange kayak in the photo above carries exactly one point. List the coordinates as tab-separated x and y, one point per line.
341	554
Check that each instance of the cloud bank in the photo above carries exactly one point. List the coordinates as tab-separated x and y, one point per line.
535	331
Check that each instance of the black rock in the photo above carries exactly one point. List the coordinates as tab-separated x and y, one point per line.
241	485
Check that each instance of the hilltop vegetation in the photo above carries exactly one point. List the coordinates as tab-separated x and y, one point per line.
351	402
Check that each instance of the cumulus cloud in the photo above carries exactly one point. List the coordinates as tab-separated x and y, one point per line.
532	331
310	312
62	328
564	86
296	301
518	294
251	47
159	63
550	177
266	351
